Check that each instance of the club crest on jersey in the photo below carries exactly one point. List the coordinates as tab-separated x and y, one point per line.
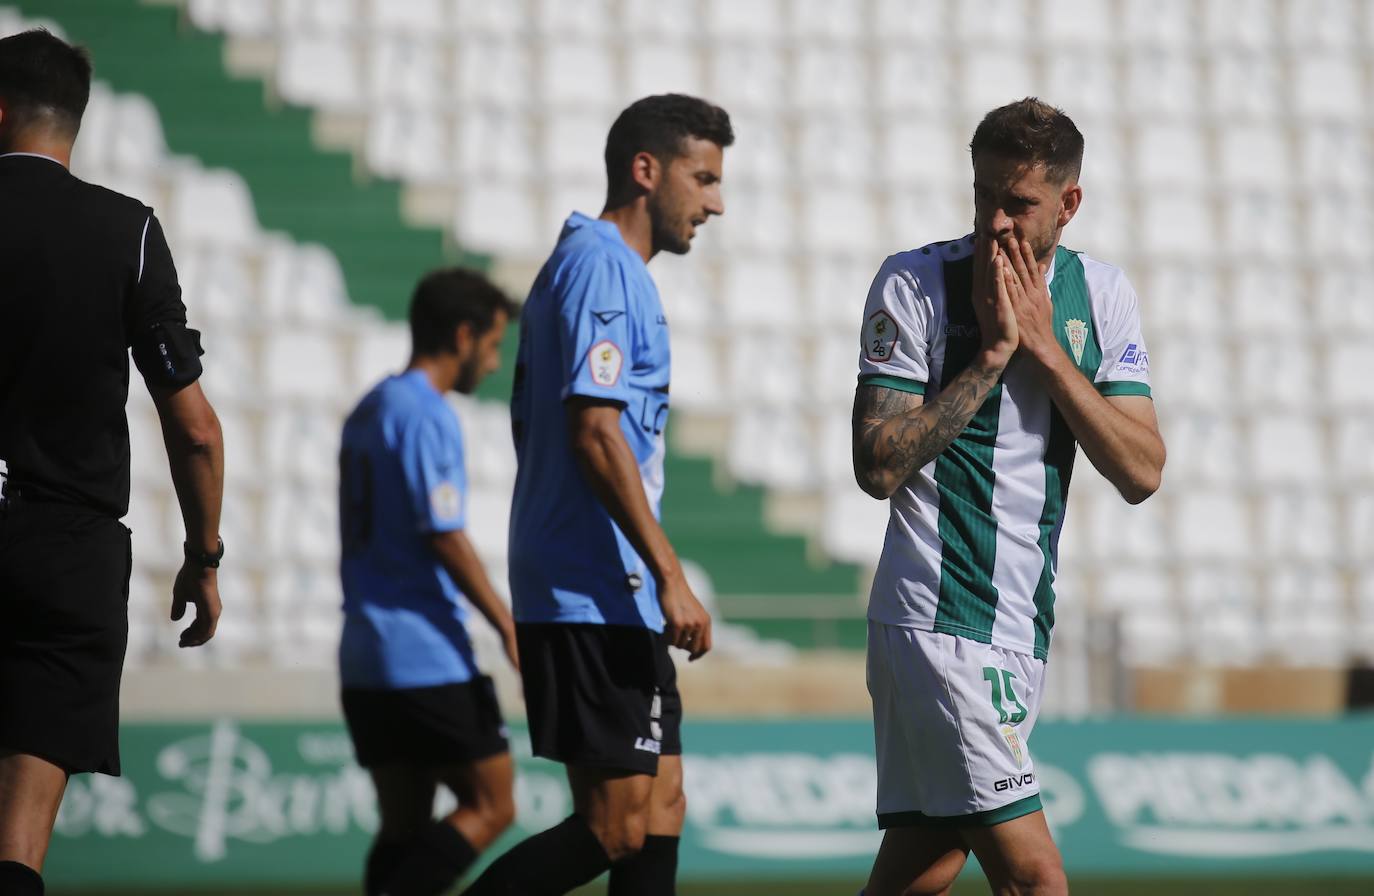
1077	331
880	337
445	501
1014	742
605	361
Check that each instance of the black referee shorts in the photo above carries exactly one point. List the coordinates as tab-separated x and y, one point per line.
600	695
64	593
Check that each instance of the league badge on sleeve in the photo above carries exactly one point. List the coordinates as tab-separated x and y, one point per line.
445	501
605	360
880	337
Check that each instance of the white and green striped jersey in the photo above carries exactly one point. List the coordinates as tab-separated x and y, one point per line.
972	541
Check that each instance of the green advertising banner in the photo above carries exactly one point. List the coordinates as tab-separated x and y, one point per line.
230	803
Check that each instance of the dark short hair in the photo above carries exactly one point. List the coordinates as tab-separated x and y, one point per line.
42	75
659	125
448	297
1034	132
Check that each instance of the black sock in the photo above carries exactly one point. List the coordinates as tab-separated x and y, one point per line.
650	872
559	860
431	863
17	879
382	860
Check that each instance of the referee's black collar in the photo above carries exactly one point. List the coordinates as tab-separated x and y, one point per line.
32	155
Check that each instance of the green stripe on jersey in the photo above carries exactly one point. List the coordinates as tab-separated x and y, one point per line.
1073	326
1123	387
901	384
964	478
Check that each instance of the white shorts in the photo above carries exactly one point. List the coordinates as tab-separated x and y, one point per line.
952	719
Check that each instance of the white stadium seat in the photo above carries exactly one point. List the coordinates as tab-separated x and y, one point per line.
696	373
1328	86
673	21
499	217
1168	154
1276	374
320	71
853	525
1072	23
732	19
1177	226
1211	525
1243	85
417	17
1298	527
1336	156
212	207
495	71
996	22
572	146
307	366
1084	85
1163	83
764	370
1248	24
494	143
1203	445
663	67
406	70
772	448
992	74
842	220
577	74
923	152
1322	25
836	149
829	78
321	16
1159	23
1253	156
916	81
1347	383
746	77
1351	438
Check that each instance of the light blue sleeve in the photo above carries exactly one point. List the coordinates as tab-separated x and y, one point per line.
436	477
594	331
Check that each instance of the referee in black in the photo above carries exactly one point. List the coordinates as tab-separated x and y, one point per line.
85	276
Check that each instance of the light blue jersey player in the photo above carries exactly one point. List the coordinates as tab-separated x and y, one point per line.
597	589
419	711
593	327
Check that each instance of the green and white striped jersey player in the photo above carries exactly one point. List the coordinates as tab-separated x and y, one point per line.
985	363
972	545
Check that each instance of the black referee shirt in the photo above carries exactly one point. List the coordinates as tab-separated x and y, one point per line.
85	275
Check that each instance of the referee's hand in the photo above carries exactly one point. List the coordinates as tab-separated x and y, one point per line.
198	586
686	624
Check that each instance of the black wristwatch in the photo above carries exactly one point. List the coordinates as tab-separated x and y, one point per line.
209	561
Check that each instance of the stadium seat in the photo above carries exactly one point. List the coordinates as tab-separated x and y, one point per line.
138	144
410	17
578	74
1327	86
377	353
917	216
1247	24
321	16
834	292
212	208
696	372
833	370
763	298
1188	370
662	67
1211	525
1179	299
488	520
1170	155
492	70
1336	224
854	525
1203	444
1243	86
1351	438
1270	299
1159	23
494	143
1104	159
243	17
835	453
772	447
763	370
1335	156
922	81
1163	83
217	284
1299	526
1321	25
1259	223
1347	374
572	147
487	19
671	21
827	21
841	220
1253	156
500	217
243	467
756	220
302	444
747	77
232	368
1287	449
1119	532
996	22
304	284
922	152
837	149
1077	23
828	78
992	74
1358	524
406	70
321	71
1176	226
300	523
730	19
1104	224
1275	372
305	366
760	156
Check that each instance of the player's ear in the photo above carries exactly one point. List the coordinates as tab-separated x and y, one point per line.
1069	202
645	171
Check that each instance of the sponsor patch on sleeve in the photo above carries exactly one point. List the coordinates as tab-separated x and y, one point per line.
880	337
445	501
1134	360
605	360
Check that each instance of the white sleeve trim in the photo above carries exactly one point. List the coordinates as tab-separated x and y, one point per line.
142	242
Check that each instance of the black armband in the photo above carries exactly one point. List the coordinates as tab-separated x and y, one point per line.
168	354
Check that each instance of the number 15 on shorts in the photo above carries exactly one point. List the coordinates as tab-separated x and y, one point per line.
1002	692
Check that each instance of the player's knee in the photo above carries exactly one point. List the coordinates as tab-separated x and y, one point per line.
1043	876
626	836
674	805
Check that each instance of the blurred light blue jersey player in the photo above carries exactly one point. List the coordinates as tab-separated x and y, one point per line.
593	326
402	478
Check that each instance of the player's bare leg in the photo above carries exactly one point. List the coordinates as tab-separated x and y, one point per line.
615	804
653	870
30	792
1019	857
917	862
486	798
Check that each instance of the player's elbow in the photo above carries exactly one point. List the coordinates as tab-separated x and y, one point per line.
1141	486
877	484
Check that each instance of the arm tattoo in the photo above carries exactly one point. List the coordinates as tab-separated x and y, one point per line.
894	436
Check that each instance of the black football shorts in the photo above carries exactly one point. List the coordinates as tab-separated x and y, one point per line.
64	625
600	695
433	726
